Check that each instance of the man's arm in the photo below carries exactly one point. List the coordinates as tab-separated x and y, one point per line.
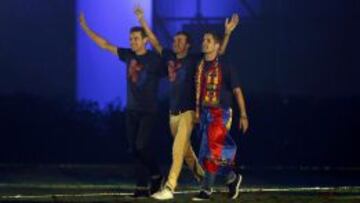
152	38
243	123
229	27
101	42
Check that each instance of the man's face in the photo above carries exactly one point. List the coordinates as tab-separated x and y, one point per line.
137	41
180	44
209	45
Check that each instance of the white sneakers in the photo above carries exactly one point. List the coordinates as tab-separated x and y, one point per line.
164	194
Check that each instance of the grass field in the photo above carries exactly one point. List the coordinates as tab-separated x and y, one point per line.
103	193
115	184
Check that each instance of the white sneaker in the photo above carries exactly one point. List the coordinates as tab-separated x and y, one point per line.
164	194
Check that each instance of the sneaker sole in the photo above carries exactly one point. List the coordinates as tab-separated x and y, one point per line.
237	188
159	198
162	198
198	199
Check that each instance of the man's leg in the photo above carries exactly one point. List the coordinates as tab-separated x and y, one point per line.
183	125
167	192
233	182
132	125
190	156
145	150
174	123
193	163
214	135
206	187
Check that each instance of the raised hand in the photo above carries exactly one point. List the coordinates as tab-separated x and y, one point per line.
82	20
101	42
139	12
231	24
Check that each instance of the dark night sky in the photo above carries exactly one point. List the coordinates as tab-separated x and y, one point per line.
37	48
302	48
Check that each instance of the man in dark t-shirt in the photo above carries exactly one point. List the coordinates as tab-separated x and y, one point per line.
181	67
143	74
216	84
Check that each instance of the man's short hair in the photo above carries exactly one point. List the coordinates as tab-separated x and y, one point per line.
138	29
186	34
216	36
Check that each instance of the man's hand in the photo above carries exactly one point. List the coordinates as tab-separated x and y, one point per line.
101	42
82	20
231	25
243	123
139	12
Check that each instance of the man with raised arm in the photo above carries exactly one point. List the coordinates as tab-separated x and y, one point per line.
181	73
142	73
216	84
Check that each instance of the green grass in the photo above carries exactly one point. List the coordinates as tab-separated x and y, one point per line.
108	183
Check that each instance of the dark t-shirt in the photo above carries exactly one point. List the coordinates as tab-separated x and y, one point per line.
143	73
181	73
230	81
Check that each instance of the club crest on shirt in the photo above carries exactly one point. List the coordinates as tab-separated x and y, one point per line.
134	70
173	68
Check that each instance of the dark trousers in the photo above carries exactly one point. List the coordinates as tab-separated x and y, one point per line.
140	127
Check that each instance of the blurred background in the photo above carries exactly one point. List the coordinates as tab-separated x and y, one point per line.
62	98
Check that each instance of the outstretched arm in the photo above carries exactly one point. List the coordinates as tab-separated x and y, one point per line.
101	42
243	123
152	38
229	27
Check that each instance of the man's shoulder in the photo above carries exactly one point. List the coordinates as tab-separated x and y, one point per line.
124	53
153	54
